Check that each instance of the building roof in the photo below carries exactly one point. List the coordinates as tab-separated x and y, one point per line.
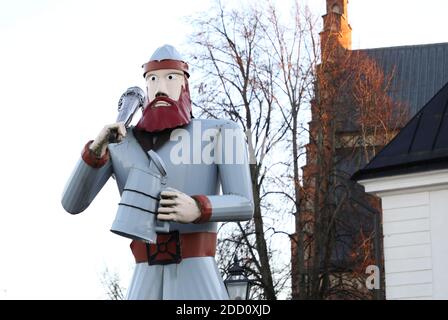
419	71
420	146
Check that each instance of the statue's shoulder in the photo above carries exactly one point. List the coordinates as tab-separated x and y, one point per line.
216	123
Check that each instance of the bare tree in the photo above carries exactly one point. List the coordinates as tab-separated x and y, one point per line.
111	283
353	116
295	50
239	83
267	72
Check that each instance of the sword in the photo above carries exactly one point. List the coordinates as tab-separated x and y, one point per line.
129	102
132	99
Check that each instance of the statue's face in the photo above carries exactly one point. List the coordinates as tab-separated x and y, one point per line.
169	103
164	83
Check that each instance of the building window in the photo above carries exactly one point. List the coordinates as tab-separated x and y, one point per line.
336	9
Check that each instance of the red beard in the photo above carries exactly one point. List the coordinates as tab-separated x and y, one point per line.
178	113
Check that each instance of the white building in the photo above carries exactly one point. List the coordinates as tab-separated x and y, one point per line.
410	174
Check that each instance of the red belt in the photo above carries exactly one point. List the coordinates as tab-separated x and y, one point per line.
173	247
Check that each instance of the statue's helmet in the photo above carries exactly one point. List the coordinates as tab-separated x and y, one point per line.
166	57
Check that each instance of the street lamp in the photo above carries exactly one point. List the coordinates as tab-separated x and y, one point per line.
237	284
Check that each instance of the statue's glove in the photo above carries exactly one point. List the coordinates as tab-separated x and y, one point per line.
177	206
110	133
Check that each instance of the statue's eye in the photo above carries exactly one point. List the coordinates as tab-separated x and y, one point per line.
151	77
171	76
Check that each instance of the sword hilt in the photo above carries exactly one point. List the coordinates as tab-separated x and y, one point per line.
132	99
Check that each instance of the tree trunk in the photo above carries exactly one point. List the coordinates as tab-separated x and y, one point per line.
265	268
299	219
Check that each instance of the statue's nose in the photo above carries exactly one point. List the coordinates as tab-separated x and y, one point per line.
161	94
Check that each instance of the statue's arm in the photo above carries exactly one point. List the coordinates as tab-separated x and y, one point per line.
87	179
236	202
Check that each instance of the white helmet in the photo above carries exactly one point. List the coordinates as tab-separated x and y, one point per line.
166	57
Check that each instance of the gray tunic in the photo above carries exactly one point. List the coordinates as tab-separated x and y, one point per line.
201	158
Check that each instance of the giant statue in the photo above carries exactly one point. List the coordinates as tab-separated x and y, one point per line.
177	176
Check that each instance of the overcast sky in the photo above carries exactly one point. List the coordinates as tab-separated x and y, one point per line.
63	66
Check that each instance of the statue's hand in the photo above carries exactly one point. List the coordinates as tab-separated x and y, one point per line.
110	133
177	206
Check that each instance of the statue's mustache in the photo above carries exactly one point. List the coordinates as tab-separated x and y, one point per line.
163	99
